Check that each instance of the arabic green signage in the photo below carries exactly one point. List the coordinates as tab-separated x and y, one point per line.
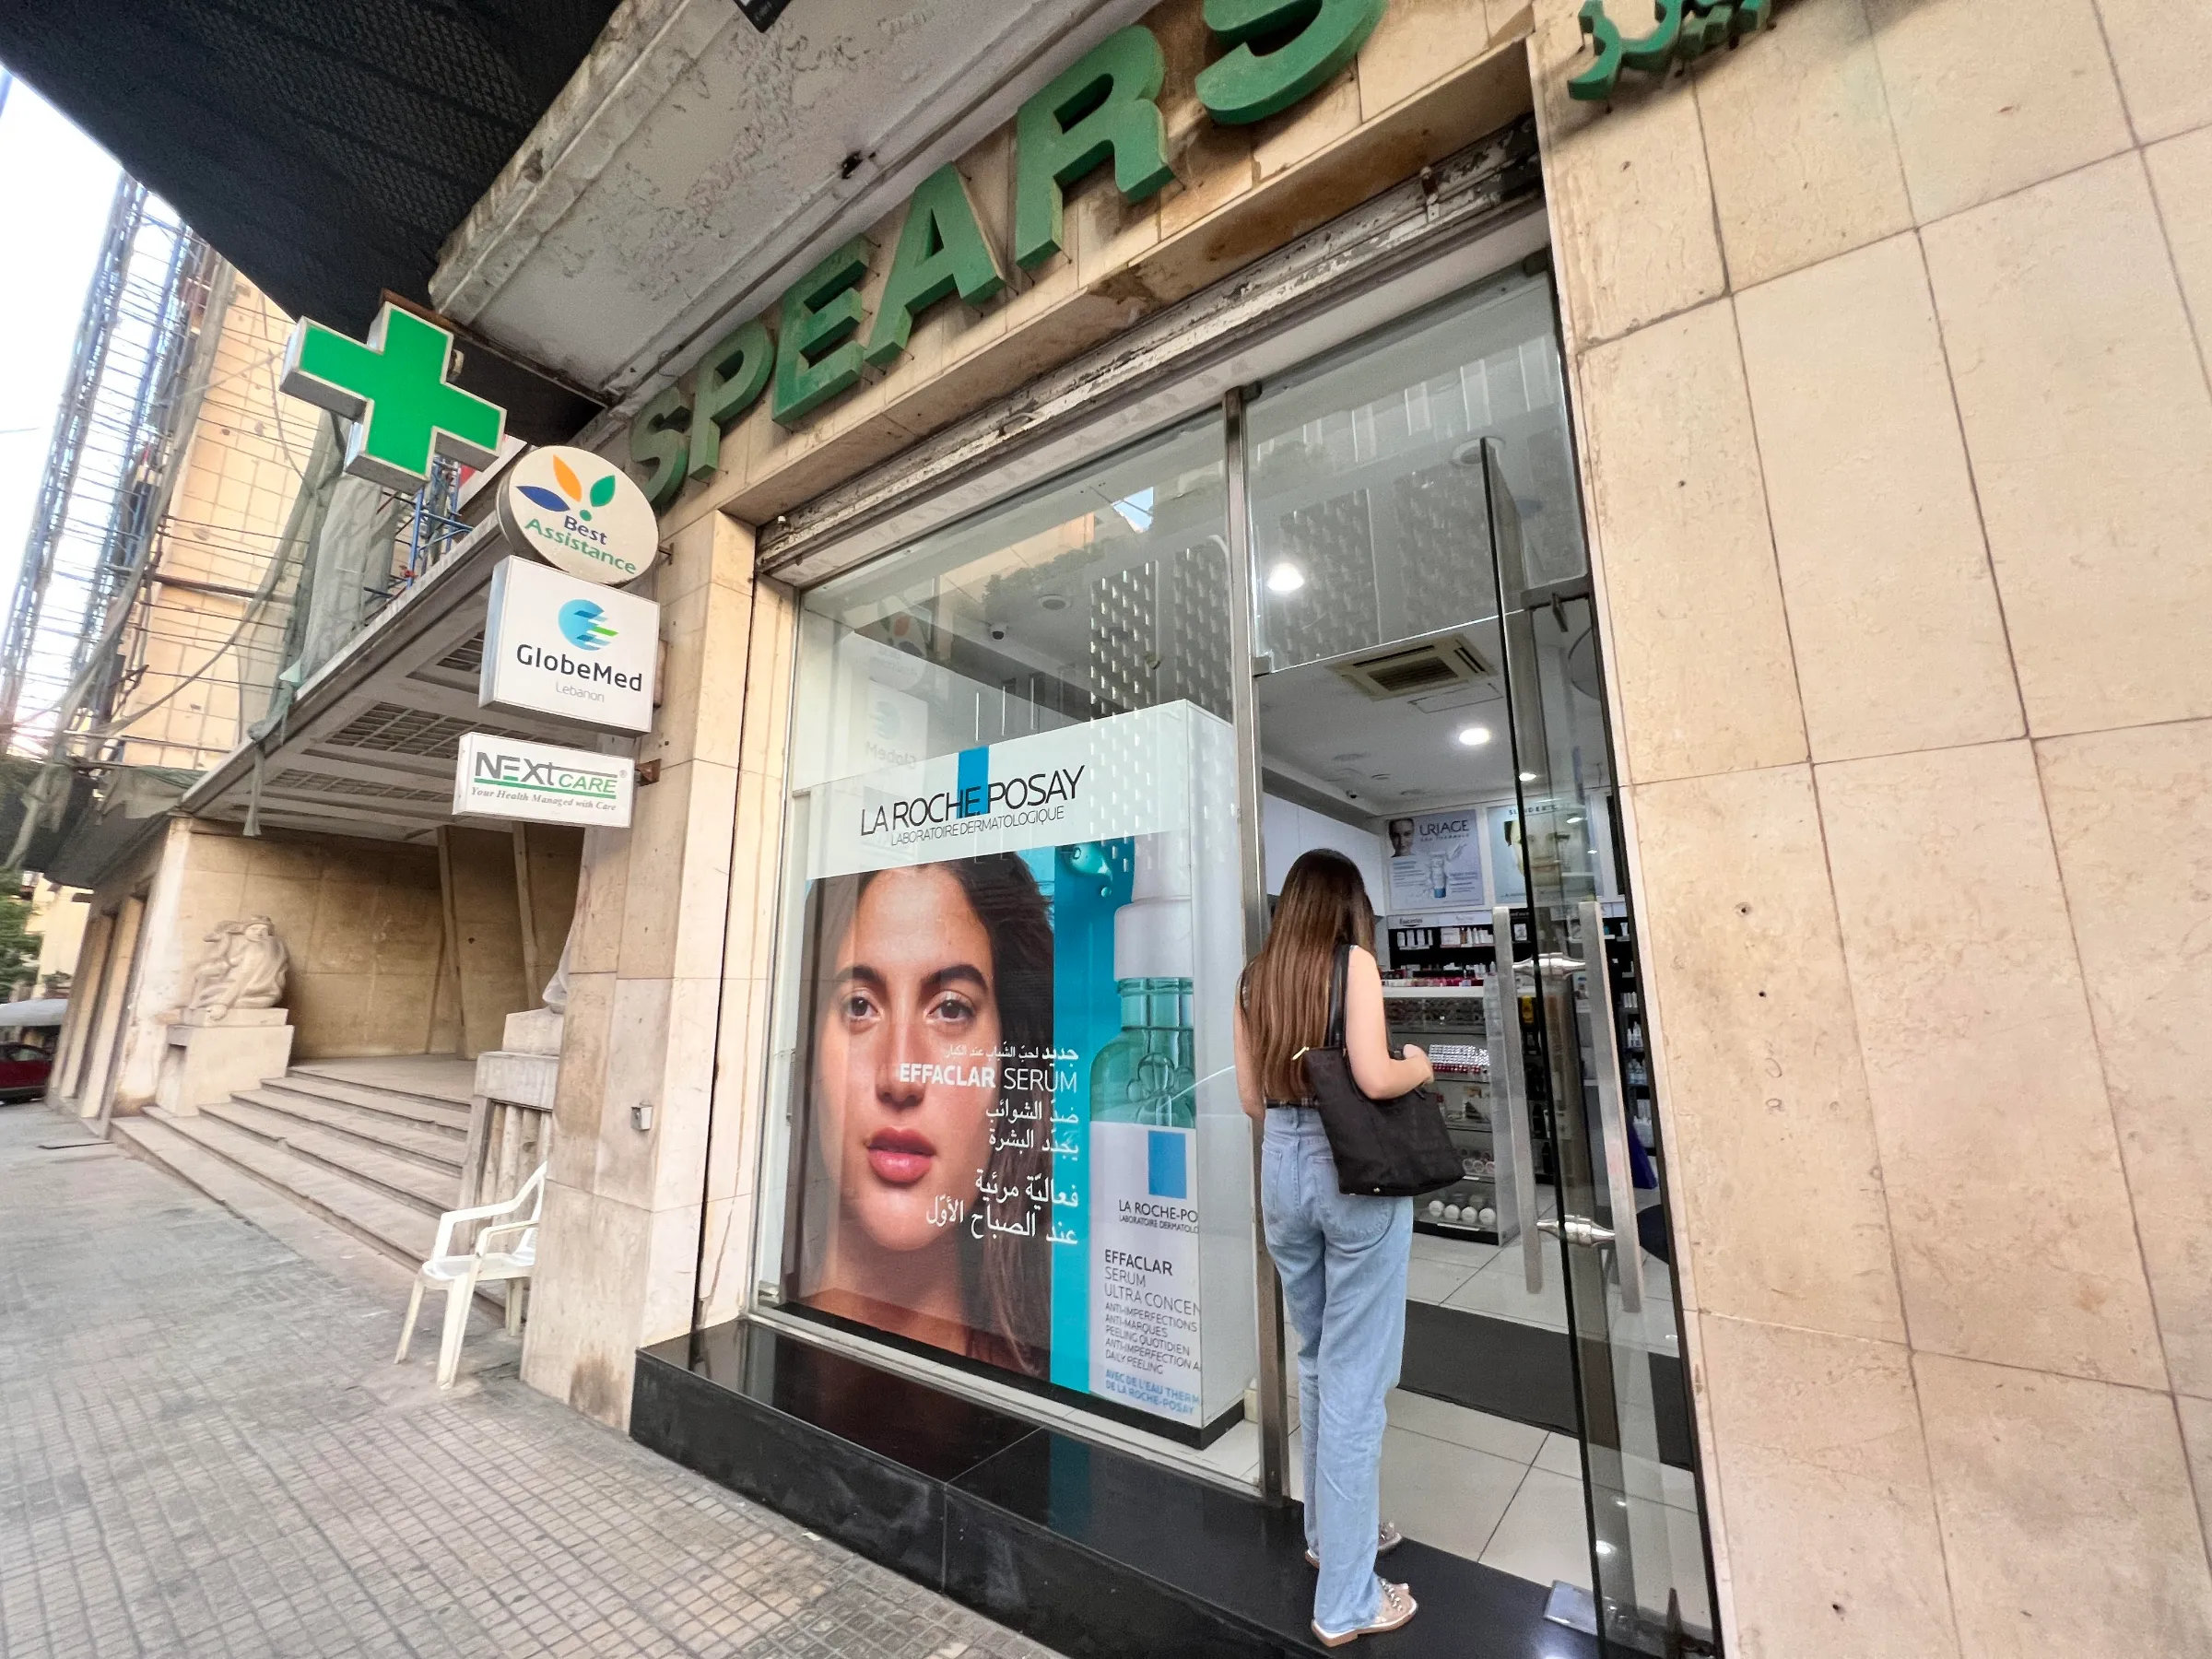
1684	30
395	391
1102	113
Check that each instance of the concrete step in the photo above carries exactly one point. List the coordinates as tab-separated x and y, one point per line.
390	1105
401	1231
442	1078
431	1192
323	1225
434	1148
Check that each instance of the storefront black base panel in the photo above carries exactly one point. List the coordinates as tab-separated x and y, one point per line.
1090	1550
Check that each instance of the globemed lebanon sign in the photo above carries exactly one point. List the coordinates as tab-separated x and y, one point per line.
555	645
580	514
1016	1119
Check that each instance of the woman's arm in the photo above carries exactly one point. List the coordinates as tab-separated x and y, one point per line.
1248	1076
1366	1036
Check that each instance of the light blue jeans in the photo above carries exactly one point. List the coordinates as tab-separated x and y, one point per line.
1342	1260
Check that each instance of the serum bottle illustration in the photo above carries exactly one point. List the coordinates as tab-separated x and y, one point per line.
1149	1074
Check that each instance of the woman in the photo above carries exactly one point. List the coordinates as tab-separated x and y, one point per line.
931	1012
1342	1258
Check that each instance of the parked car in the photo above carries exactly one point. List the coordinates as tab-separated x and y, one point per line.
24	1068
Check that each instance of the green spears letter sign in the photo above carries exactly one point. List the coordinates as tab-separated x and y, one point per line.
395	391
1684	29
1103	112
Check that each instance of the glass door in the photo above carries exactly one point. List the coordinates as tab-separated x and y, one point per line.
1576	972
1425	700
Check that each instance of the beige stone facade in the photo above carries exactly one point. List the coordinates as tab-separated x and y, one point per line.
1886	335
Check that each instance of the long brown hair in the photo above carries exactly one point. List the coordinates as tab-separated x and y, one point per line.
1285	991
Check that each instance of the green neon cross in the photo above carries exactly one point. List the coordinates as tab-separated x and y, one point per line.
395	391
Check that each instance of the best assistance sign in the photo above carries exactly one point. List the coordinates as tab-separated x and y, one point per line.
556	645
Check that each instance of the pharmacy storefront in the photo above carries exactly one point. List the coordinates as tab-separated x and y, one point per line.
1292	562
1413	431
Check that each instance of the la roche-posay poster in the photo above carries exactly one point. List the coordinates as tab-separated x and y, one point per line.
996	1087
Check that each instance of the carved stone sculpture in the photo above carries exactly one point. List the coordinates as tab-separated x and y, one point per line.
245	967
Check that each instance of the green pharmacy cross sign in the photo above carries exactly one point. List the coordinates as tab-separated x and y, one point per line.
395	391
1685	30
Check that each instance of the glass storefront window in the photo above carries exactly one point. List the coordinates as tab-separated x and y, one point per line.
1010	943
1004	1130
1367	515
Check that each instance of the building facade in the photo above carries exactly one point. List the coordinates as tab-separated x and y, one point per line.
1721	545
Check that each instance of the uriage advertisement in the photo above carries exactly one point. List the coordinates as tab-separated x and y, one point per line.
998	1077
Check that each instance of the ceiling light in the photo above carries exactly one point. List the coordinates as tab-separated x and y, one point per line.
1285	578
1528	777
1472	736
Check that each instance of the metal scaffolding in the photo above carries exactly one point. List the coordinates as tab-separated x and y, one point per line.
109	472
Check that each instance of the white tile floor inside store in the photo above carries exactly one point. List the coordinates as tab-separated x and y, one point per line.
1503	1493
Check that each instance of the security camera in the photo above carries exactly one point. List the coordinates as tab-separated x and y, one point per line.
998	630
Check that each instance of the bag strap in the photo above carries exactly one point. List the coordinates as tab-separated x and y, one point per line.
1335	1037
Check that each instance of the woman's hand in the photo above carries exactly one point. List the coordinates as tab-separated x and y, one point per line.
1415	1052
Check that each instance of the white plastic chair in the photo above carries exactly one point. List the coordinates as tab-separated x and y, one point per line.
506	1250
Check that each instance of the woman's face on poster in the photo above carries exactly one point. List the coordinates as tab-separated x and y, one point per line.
907	1070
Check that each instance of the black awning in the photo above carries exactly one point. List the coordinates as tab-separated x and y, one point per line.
326	147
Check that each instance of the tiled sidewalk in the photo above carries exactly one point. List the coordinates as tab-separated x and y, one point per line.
205	1449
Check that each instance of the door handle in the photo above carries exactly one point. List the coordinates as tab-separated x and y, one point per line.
1578	1229
1502	1013
1612	1108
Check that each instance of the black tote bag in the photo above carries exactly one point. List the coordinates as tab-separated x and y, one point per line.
1385	1148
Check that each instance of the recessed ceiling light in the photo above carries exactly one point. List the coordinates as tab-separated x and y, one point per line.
1052	602
1472	736
1528	777
1285	578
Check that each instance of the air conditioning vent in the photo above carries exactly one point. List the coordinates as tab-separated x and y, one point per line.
1431	667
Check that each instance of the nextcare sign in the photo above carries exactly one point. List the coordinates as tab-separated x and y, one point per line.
503	778
555	645
1104	112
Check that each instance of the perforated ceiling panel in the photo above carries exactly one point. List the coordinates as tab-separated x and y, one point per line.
324	147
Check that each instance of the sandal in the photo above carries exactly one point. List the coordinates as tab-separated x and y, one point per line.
1397	1609
1387	1539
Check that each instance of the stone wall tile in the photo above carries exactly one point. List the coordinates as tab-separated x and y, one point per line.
2180	178
2068	1523
1769	1134
1700	649
2130	813
2091	436
1628	189
1417	43
1798	141
696	951
637	1070
1831	1532
2164	55
579	1086
580	1343
1988	98
2011	1220
1894	620
653	906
